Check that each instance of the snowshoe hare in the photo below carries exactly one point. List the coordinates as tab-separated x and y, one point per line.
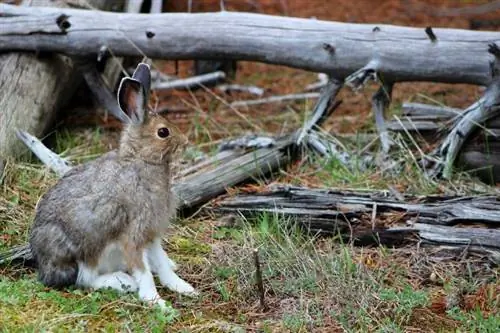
101	225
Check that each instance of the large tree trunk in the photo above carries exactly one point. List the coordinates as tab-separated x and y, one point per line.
399	53
33	87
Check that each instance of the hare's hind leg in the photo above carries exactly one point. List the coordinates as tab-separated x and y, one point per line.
162	265
54	254
89	277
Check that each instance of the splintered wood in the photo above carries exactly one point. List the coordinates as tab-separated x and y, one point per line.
462	223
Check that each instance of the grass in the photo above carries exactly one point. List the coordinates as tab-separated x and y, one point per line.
311	284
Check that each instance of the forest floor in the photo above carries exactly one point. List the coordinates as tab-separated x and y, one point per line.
312	284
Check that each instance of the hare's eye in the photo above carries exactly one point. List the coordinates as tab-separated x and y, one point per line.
163	132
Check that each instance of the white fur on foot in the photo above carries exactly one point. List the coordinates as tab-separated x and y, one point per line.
173	282
146	284
118	280
157	257
164	267
170	262
90	278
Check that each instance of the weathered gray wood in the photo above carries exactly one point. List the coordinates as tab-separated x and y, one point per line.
56	163
33	86
339	49
485	108
322	110
190	82
199	188
380	102
412	125
101	90
275	99
254	90
420	109
439	220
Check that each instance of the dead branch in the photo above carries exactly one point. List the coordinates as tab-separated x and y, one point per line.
426	110
275	99
258	280
190	82
486	108
53	161
238	87
322	82
380	102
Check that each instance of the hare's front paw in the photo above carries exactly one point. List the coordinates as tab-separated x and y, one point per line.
175	283
159	302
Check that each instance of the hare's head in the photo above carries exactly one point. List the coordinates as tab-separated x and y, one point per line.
148	135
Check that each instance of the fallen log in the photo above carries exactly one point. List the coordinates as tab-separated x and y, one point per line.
458	56
377	218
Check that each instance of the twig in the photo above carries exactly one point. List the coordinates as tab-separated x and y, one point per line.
238	87
190	82
323	108
258	279
275	99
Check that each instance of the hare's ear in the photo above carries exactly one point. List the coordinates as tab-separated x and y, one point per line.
143	74
132	99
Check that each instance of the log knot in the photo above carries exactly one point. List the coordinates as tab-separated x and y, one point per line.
63	23
329	48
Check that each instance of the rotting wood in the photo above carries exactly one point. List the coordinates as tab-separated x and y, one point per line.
199	188
451	221
460	56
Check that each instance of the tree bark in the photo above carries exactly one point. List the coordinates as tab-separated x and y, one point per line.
397	53
33	87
